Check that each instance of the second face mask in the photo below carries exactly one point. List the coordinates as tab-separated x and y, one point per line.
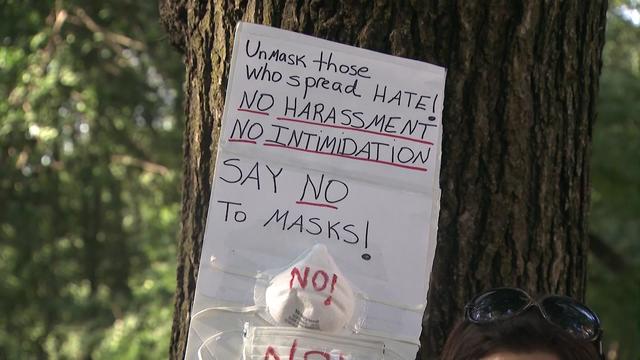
285	343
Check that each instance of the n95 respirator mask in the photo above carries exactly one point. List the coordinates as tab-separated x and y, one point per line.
312	294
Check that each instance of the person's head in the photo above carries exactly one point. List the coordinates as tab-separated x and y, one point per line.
506	324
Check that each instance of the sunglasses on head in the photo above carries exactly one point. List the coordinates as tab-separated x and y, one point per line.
573	317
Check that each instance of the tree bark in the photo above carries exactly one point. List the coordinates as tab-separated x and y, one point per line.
519	109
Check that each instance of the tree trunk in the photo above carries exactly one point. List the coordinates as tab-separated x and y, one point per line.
519	109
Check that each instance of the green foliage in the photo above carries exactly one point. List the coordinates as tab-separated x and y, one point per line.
615	292
90	158
90	161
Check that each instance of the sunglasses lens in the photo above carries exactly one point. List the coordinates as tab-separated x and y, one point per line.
498	304
572	316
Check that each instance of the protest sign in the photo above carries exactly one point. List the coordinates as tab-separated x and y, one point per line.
323	143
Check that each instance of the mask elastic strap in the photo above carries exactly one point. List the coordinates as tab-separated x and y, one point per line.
259	275
214	264
418	309
212	338
386	337
415	308
235	309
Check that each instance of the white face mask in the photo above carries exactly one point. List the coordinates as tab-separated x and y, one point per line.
286	343
310	294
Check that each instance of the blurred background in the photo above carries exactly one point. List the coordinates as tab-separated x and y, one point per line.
91	125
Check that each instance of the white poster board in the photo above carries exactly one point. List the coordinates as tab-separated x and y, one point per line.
323	143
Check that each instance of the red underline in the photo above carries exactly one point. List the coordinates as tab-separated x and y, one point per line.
354	129
242	141
254	112
316	204
348	157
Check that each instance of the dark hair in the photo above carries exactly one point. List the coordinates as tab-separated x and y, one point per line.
526	333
